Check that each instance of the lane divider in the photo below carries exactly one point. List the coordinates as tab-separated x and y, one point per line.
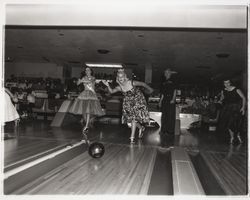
34	156
39	160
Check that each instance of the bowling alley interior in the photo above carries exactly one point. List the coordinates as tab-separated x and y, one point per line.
49	150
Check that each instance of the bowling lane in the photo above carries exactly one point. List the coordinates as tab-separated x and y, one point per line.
23	149
124	169
33	139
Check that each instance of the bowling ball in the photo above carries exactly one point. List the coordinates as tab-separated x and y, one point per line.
96	150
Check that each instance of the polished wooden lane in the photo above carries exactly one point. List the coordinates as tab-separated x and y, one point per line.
123	169
230	170
25	148
35	138
38	137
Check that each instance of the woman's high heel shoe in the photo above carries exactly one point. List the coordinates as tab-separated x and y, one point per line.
141	132
132	140
231	140
85	129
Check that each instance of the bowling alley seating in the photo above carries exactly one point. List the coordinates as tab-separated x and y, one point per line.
45	107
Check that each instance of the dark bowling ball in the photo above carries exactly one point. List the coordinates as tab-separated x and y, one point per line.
96	150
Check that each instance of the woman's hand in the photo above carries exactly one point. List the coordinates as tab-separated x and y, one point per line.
151	90
79	81
242	110
14	99
159	104
105	82
172	101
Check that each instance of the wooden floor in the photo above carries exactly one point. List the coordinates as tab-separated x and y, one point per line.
122	170
142	168
230	170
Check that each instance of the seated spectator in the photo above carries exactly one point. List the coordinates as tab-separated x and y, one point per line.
211	115
214	117
31	102
71	85
29	84
59	88
22	84
198	106
183	104
39	85
22	103
21	95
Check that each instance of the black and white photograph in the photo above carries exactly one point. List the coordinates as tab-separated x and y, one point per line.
124	98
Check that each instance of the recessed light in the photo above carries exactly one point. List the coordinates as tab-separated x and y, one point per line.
222	55
103	51
203	67
73	62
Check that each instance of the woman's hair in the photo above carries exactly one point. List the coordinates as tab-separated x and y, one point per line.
229	80
83	73
121	72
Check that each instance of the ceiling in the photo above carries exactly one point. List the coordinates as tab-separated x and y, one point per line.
201	42
200	53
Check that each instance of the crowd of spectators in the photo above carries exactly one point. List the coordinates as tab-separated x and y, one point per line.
208	107
24	89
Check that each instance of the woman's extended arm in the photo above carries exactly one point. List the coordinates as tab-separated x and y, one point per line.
116	89
139	83
84	80
242	110
221	97
160	101
174	97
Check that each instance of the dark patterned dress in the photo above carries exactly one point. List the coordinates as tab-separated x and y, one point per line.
230	117
168	110
134	106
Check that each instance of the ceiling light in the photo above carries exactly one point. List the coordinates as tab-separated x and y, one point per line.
222	55
103	51
104	65
203	67
74	62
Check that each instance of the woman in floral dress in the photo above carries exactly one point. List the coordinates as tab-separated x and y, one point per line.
134	109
